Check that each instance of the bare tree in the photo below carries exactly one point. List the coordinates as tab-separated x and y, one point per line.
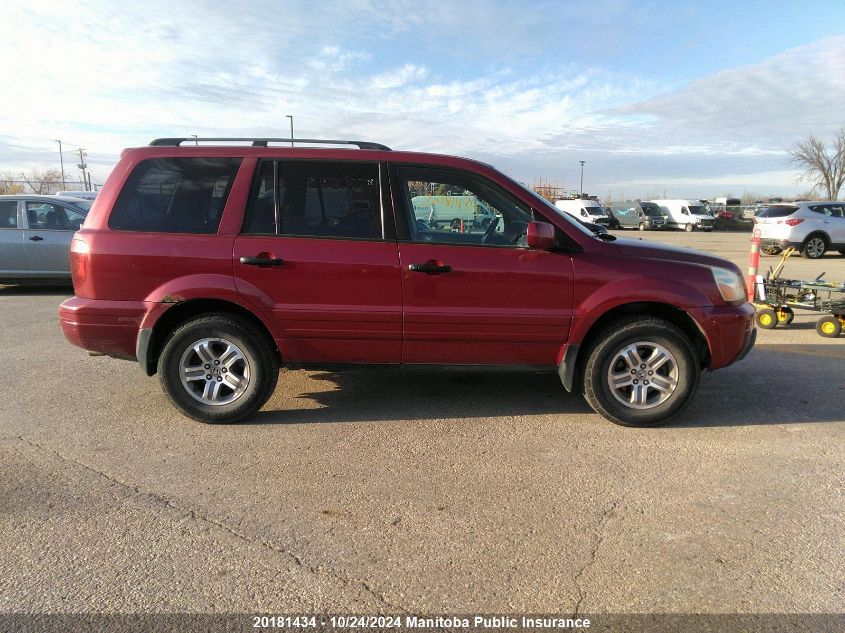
823	166
9	184
43	182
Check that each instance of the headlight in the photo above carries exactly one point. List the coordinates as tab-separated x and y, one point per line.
730	285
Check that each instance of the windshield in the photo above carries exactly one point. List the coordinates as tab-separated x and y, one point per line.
651	209
697	209
85	205
558	212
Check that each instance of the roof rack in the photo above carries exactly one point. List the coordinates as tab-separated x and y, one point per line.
262	142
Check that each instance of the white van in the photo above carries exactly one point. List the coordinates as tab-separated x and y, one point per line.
584	210
689	215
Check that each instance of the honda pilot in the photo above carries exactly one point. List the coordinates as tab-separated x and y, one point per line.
215	264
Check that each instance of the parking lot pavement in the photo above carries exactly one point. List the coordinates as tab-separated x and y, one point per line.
426	492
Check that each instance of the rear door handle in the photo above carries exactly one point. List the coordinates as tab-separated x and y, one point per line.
431	267
36	238
264	262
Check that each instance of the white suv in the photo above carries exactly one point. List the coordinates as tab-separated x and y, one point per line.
812	227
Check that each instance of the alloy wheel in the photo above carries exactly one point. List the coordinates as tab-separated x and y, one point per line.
643	375
214	371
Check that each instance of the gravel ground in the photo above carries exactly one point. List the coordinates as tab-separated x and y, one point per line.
386	491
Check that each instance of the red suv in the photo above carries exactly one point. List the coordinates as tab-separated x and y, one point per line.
215	265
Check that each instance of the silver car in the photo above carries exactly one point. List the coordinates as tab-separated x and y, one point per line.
35	235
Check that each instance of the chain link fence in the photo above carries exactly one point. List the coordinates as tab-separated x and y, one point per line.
44	188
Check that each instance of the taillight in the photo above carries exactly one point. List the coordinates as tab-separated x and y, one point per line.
794	221
79	262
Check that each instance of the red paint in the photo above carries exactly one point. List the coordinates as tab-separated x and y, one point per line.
349	301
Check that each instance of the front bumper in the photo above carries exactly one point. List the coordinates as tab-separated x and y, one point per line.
729	331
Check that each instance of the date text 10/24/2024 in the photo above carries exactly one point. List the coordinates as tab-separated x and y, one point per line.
418	622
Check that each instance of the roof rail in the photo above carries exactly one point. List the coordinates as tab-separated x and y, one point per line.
262	142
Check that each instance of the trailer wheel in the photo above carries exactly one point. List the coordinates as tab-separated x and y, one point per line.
829	327
785	316
767	319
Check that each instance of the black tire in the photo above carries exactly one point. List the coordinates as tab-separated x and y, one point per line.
814	246
828	327
690	227
605	351
257	350
767	318
785	316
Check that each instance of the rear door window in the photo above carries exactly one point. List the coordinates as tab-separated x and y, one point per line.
175	195
331	200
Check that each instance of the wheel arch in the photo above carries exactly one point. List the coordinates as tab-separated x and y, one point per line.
818	233
151	339
574	358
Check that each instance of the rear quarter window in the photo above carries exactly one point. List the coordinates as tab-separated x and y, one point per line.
175	195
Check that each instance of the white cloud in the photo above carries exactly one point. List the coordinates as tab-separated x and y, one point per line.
107	77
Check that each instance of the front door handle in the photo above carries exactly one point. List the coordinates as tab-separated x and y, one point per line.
263	261
431	267
36	238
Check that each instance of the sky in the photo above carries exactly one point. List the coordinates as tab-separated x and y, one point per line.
693	99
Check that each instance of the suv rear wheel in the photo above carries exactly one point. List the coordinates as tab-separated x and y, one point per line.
814	246
641	372
217	369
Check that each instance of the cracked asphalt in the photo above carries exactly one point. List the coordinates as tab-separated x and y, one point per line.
384	491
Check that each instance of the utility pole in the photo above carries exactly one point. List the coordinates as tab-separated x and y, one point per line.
61	162
290	116
581	190
83	166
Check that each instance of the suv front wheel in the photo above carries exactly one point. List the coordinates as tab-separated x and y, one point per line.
217	369
641	372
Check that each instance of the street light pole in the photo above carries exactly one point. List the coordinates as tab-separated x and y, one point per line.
581	190
290	116
61	162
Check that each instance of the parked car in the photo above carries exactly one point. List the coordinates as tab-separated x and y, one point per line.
811	227
688	215
598	229
216	265
586	210
612	222
632	216
35	235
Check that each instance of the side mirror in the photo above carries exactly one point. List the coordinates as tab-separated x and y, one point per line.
540	235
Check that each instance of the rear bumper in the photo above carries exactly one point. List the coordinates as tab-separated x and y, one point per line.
782	244
729	331
107	327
